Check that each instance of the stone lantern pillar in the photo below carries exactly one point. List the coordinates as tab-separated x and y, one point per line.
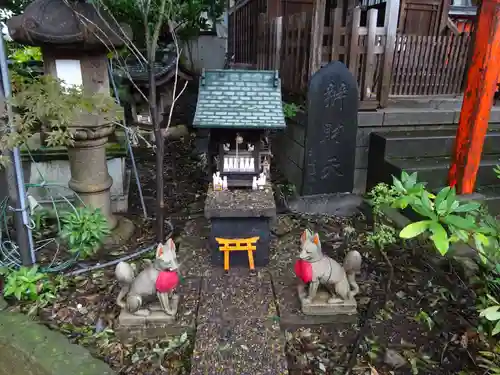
75	38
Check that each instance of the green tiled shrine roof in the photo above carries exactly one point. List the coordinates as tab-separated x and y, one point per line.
239	99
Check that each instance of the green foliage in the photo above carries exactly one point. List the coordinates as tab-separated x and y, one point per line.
188	15
14	6
43	100
373	349
446	218
382	195
497	171
290	110
382	236
44	224
84	229
27	284
490	361
424	318
492	314
26	54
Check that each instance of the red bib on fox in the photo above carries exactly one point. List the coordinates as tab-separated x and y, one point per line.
167	281
303	270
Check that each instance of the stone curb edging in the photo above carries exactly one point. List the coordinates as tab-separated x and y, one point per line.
29	348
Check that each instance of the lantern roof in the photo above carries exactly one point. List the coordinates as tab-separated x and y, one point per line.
67	24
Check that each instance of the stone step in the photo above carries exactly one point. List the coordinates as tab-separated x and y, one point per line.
491	196
434	171
424	143
238	331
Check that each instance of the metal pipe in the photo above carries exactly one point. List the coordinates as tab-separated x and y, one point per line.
129	146
22	219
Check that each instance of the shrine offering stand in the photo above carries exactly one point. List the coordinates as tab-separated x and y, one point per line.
240	226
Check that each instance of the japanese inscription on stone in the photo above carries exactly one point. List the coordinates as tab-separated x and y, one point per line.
332	111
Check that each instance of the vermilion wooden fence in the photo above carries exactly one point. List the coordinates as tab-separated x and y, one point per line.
429	65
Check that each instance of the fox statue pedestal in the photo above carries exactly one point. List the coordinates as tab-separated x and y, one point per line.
338	283
321	306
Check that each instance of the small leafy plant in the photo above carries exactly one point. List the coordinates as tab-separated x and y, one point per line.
492	314
44	224
424	318
382	236
446	218
382	195
290	110
26	284
84	229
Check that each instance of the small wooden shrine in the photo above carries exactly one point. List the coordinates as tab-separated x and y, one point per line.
240	108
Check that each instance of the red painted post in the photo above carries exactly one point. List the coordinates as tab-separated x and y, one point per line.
481	85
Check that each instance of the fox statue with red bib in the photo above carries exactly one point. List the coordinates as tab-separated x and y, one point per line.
159	280
315	268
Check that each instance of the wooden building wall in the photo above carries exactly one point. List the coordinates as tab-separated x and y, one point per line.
416	17
423	17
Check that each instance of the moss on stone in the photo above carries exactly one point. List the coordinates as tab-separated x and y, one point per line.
29	348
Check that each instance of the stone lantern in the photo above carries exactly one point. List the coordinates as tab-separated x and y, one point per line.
75	38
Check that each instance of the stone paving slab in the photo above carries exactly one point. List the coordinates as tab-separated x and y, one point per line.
194	257
192	249
28	347
239	347
238	294
189	293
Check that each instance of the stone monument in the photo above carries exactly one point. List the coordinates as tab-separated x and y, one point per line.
332	124
75	38
316	270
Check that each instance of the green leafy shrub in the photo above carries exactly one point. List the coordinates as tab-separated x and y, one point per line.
27	284
445	218
84	229
382	195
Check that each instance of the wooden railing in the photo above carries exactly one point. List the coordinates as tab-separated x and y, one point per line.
384	64
284	44
243	23
429	65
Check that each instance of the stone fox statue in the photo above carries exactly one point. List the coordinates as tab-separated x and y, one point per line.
315	268
159	279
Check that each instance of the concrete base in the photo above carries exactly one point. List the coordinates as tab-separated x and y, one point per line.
339	204
321	306
157	324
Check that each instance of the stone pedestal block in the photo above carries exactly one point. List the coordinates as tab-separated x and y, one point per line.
240	214
321	306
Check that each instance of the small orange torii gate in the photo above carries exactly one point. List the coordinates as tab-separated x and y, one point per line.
482	80
226	245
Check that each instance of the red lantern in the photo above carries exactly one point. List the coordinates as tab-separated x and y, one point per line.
167	281
303	270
